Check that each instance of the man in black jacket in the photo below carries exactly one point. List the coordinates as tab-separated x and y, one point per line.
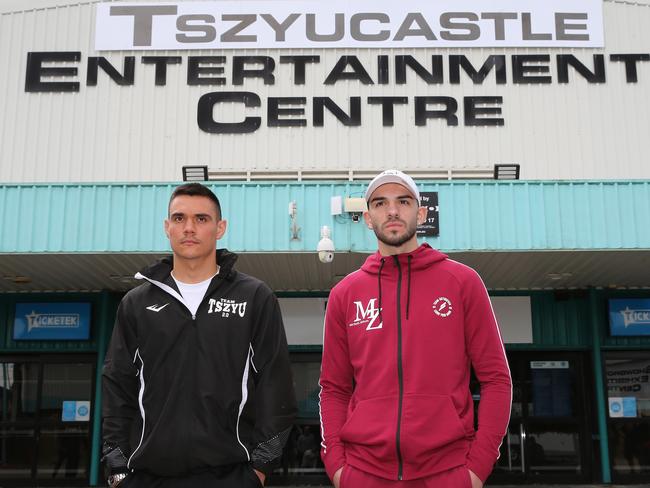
197	387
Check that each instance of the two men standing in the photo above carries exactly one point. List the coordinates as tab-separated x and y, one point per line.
197	379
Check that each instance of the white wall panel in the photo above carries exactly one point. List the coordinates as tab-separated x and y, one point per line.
303	319
146	132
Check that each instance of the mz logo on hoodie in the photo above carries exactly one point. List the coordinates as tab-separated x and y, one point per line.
367	315
226	306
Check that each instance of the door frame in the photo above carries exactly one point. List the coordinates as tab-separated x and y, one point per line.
519	361
37	424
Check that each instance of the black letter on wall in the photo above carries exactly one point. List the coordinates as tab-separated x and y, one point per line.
35	70
205	116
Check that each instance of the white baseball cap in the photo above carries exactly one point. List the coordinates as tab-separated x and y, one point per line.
393	176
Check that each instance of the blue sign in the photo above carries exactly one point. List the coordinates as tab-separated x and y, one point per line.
52	321
75	411
622	407
629	406
69	411
629	317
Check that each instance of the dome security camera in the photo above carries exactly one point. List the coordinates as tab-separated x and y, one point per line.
325	246
326	256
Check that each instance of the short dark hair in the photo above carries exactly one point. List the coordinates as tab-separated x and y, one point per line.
195	190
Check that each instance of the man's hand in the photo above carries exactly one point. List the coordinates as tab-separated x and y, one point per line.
476	481
337	477
260	475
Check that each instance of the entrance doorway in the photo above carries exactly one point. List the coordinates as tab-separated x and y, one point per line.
548	436
301	462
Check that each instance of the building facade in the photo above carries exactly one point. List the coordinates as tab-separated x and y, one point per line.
101	114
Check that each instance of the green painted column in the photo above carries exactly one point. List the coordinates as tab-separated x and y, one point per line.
601	397
105	320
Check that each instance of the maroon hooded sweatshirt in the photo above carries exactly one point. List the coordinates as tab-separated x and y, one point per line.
400	336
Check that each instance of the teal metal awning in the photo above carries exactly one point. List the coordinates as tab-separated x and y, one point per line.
485	223
474	216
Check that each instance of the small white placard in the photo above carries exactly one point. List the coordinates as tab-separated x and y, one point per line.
549	365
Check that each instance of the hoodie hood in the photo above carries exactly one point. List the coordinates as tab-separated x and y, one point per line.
423	257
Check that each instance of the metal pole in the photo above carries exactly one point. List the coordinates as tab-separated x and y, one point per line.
601	395
102	337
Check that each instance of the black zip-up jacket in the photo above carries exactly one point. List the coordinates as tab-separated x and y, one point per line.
185	393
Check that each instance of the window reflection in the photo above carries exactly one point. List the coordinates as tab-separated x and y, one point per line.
628	387
628	390
63	453
302	453
555	449
510	453
64	382
19	390
305	378
16	452
37	441
630	447
548	449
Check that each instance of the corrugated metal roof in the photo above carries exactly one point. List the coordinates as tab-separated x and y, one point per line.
558	322
474	216
303	272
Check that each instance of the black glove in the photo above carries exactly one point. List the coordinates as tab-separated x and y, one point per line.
114	459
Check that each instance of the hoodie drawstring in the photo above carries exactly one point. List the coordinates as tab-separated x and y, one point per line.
408	289
381	266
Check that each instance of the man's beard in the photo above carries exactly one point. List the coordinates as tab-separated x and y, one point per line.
395	240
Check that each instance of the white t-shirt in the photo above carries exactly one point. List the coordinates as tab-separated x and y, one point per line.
193	293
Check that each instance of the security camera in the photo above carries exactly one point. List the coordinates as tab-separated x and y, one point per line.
325	246
326	256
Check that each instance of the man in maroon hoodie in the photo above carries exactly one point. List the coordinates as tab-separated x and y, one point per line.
400	337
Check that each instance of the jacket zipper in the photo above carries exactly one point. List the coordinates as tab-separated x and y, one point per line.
158	284
400	372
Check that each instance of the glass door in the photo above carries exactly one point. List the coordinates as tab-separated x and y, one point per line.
548	437
45	418
301	463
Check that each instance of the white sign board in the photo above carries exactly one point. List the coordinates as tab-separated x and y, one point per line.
549	365
343	24
514	318
303	320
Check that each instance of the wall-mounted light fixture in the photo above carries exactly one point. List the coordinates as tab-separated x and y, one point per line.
19	279
195	173
506	171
